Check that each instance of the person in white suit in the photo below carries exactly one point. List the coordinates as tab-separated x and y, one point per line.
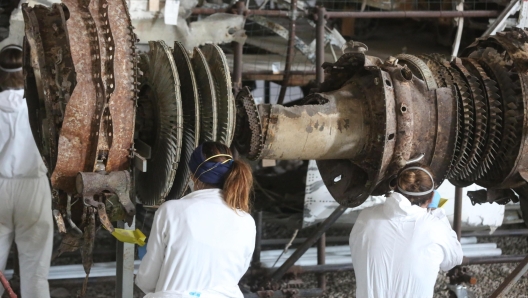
25	196
398	247
202	244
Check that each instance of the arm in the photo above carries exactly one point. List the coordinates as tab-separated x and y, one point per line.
450	245
150	267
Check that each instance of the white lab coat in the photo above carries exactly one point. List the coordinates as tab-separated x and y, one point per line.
25	198
398	248
198	246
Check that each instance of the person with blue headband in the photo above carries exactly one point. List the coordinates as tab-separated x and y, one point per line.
25	196
202	244
398	248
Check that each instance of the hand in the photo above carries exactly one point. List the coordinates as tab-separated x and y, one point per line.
142	251
436	200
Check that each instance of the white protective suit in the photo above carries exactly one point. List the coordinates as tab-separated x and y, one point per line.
25	198
398	248
198	247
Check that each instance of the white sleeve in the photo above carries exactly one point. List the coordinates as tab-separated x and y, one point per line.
150	267
251	246
450	245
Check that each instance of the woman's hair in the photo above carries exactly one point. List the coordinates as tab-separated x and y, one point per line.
415	179
10	61
238	181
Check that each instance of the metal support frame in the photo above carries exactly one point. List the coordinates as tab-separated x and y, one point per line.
320	12
511	279
310	241
125	264
258	238
500	22
237	53
290	53
321	260
457	218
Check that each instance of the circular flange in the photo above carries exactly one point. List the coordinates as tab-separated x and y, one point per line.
159	123
224	96
208	102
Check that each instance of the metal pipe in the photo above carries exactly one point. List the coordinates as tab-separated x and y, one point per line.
258	238
7	286
457	217
321	229
290	53
349	266
365	14
321	255
498	233
286	293
344	239
511	279
237	53
502	18
493	260
320	43
412	14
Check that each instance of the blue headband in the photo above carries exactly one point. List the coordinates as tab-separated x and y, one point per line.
209	172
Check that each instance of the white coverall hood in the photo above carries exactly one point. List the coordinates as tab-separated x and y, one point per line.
398	248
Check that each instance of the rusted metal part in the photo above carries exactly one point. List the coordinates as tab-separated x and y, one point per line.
121	103
90	184
101	212
50	74
511	279
75	146
301	132
88	245
208	101
160	123
249	137
225	102
419	68
59	221
7	286
289	53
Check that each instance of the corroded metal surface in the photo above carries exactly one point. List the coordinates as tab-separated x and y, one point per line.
121	102
466	119
50	75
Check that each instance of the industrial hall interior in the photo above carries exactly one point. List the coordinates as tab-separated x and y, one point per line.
263	148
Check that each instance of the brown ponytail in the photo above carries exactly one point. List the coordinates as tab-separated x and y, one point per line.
238	181
237	186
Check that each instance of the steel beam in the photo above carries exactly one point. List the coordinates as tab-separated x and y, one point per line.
508	283
321	229
125	265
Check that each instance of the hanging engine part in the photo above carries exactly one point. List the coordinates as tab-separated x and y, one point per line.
115	127
465	118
